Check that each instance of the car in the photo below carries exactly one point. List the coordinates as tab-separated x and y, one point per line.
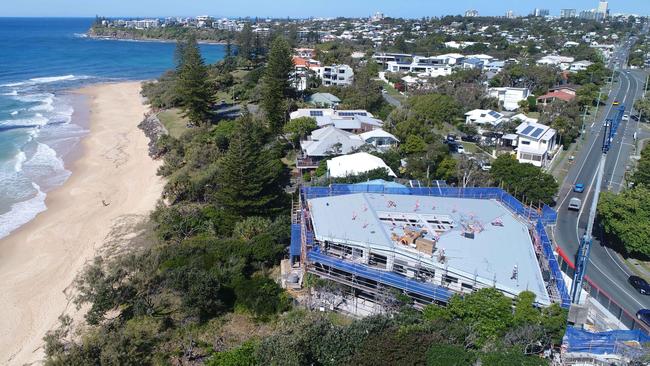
626	117
635	117
579	188
485	166
606	124
575	204
616	102
639	284
644	316
460	149
451	137
470	138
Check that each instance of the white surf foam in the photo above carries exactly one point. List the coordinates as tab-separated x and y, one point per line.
22	212
46	80
14	113
21	157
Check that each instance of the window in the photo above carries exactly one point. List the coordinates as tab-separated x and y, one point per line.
467	286
449	279
525	142
544	142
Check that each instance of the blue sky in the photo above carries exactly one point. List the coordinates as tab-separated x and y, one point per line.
300	8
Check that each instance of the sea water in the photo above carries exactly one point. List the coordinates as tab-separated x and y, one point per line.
41	60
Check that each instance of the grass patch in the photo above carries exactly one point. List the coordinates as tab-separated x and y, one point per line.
390	90
173	122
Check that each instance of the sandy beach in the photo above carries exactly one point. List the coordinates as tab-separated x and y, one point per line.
39	261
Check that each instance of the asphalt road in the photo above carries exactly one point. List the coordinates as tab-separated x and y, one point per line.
605	269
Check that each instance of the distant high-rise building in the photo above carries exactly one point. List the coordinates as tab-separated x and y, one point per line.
540	12
510	14
568	13
379	16
603	8
587	15
472	13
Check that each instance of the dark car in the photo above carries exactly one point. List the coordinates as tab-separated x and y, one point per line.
639	284
469	138
644	316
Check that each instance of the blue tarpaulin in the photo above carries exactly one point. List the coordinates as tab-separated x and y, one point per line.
613	342
294	248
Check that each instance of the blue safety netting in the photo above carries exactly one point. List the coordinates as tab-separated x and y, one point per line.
294	247
613	342
556	272
546	214
387	278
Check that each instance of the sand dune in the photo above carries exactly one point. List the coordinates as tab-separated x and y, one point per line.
39	261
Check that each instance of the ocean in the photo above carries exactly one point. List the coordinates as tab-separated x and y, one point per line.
41	60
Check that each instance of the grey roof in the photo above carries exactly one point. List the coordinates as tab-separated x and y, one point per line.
490	257
324	99
323	140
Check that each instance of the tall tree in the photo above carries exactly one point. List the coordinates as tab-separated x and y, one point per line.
192	86
276	87
245	41
249	180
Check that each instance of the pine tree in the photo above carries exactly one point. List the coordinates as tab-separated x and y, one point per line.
249	180
276	86
192	86
245	41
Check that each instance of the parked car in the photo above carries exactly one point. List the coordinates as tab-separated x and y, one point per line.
451	137
626	117
485	166
579	188
616	102
460	149
470	138
639	284
575	204
644	316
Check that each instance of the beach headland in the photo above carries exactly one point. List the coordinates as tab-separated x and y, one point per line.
113	179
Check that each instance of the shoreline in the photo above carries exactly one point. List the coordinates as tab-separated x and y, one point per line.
40	260
151	40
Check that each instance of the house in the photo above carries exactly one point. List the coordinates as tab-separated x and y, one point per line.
354	164
328	141
305	52
324	100
494	66
423	66
384	58
563	62
302	67
356	121
483	117
508	97
535	142
580	65
561	93
341	75
380	139
473	63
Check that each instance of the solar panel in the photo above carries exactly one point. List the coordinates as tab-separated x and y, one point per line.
495	114
316	113
537	132
527	130
346	114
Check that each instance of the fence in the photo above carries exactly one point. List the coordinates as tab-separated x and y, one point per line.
602	297
542	217
556	272
612	342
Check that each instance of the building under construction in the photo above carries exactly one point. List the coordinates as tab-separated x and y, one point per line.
427	243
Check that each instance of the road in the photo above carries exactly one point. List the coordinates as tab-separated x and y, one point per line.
605	268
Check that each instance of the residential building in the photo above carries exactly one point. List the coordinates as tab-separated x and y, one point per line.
483	118
355	164
472	13
561	93
335	75
494	66
330	141
324	100
540	12
429	66
535	143
508	97
580	65
563	62
380	139
567	13
510	14
308	53
473	63
377	17
428	246
385	57
603	9
356	121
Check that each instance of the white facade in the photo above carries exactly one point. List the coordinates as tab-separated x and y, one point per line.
482	117
509	98
563	62
580	66
535	143
341	75
354	164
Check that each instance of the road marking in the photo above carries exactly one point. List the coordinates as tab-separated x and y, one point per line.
616	284
620	146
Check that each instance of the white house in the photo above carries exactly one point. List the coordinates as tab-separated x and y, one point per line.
563	62
508	97
342	75
356	121
380	139
580	65
425	66
535	143
329	141
354	164
483	117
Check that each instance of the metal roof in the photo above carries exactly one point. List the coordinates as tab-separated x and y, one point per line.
360	220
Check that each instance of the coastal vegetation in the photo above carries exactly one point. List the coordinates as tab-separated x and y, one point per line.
199	284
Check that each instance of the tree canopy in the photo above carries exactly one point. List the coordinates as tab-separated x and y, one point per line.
525	181
192	86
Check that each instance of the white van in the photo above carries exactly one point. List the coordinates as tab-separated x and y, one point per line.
575	204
